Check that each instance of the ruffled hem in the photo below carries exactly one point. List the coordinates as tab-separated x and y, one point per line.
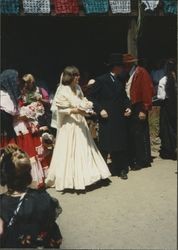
57	184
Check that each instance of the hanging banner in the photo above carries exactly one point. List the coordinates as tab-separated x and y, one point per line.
66	6
36	6
120	6
150	4
9	6
170	7
96	6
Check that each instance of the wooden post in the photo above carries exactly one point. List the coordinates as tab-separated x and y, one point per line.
132	37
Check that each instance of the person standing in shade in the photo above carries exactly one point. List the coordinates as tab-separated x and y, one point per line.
167	93
140	90
112	107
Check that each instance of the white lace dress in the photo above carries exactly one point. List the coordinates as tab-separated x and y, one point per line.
76	161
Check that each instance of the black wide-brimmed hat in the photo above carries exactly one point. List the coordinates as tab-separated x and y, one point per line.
115	59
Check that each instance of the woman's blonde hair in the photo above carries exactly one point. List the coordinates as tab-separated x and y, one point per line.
28	78
69	74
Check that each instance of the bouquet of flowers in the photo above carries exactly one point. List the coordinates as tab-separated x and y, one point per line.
86	106
32	112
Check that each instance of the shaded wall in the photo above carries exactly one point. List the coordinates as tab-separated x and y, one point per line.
44	45
158	37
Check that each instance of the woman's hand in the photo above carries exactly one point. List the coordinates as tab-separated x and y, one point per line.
21	118
78	111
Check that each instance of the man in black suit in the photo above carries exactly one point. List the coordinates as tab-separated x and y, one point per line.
112	107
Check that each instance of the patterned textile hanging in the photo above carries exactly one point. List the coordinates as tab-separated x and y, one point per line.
150	4
120	6
96	6
170	6
36	6
9	6
66	6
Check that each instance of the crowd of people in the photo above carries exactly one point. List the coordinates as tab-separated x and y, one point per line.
66	142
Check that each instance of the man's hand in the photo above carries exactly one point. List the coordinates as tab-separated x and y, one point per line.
142	116
104	114
127	112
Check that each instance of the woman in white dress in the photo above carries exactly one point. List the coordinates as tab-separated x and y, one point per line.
76	161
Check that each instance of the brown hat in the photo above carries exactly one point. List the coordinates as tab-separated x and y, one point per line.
128	58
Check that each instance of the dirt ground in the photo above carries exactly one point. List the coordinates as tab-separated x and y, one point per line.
138	213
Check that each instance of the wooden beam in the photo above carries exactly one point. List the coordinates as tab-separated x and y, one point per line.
132	46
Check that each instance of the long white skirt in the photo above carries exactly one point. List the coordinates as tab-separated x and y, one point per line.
76	161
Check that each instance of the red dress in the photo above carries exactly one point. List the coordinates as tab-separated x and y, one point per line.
24	139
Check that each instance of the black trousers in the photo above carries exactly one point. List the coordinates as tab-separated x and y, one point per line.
139	140
168	130
119	161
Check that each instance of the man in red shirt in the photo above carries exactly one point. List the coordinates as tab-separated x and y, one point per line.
140	90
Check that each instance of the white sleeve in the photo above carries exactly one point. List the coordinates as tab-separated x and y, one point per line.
63	104
161	94
7	104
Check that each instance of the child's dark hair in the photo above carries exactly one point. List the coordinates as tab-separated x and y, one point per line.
15	168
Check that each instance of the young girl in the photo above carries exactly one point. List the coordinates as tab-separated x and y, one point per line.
27	216
35	105
34	94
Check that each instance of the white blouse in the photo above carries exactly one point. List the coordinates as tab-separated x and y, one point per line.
161	94
6	103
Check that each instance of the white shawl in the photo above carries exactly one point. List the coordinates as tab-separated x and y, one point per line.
54	109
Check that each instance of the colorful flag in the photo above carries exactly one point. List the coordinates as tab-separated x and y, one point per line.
96	6
170	6
36	6
9	6
120	6
66	6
